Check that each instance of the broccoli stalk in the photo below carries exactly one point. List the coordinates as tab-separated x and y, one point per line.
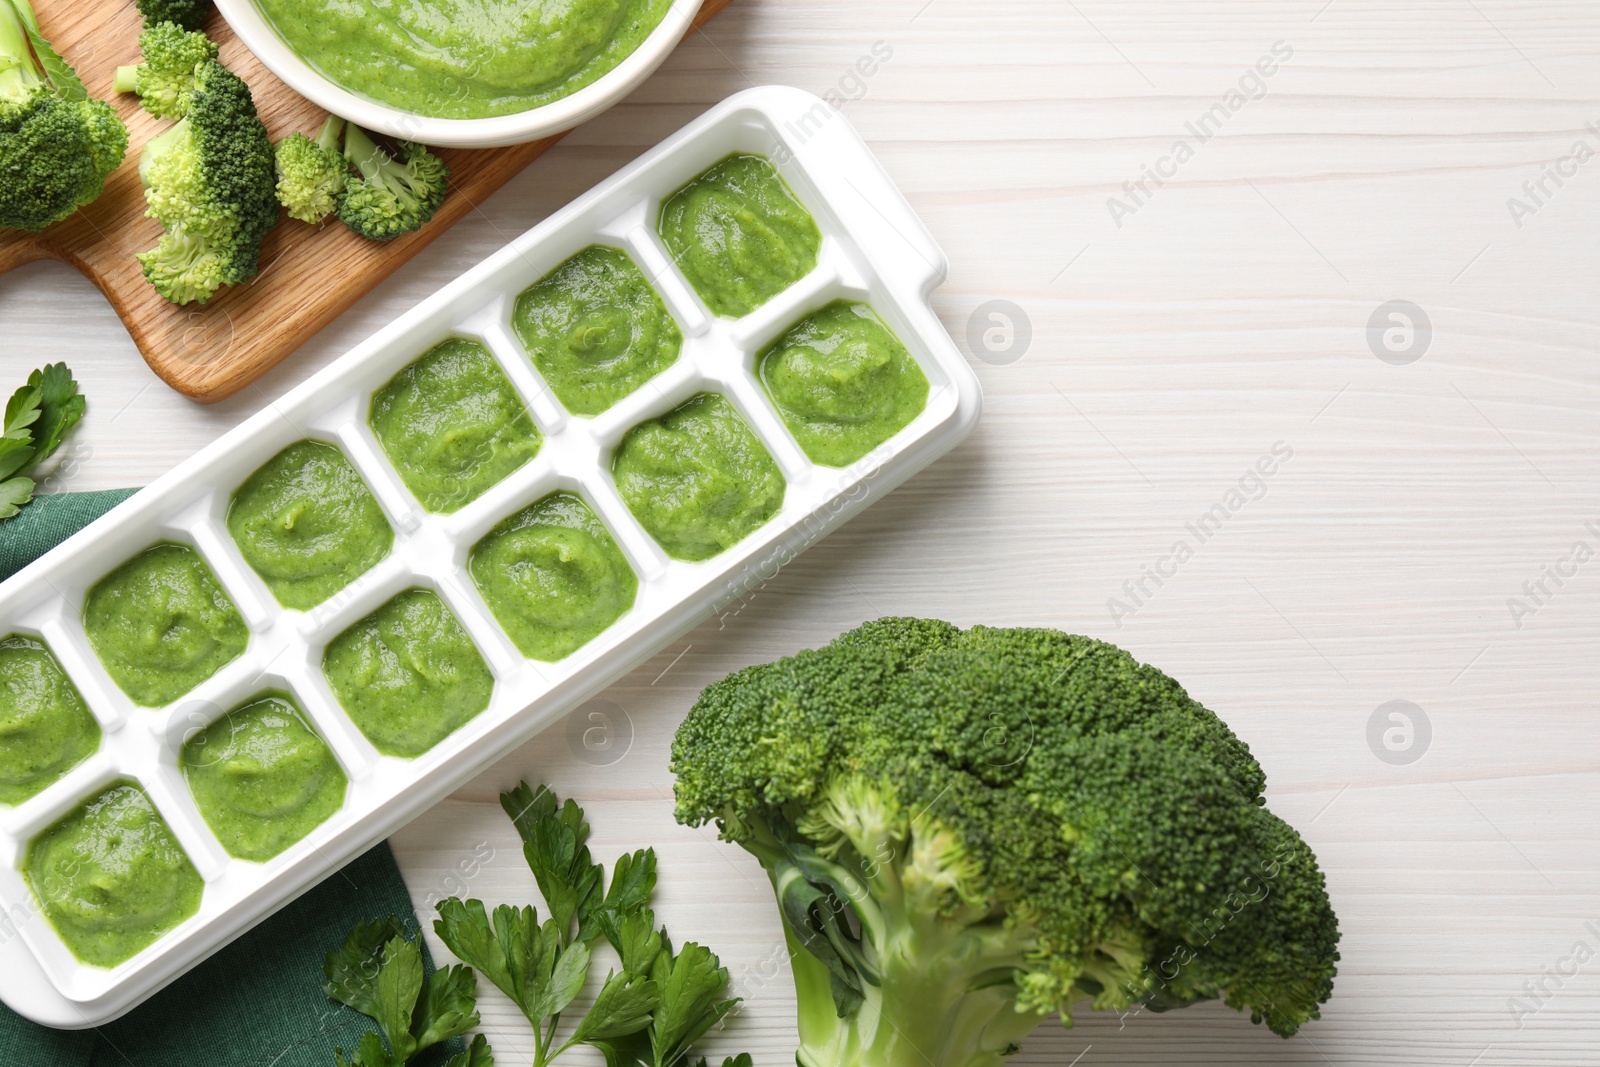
312	174
165	80
925	987
57	146
970	831
209	180
391	196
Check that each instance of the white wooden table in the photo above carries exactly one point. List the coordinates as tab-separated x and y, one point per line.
1226	314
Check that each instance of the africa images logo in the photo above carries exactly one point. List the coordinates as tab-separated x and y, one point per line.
1251	86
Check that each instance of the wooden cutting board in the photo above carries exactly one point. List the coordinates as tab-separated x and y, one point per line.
308	274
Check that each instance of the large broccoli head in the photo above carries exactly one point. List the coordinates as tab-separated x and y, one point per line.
209	179
971	830
57	146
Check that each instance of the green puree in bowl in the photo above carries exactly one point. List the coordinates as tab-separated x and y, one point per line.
162	624
408	675
308	524
45	727
697	478
452	425
843	383
463	59
261	777
553	576
595	329
739	235
110	876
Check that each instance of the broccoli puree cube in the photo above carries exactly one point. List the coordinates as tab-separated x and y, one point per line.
452	425
697	478
110	876
161	624
843	383
45	727
553	576
308	524
595	329
739	235
261	777
408	675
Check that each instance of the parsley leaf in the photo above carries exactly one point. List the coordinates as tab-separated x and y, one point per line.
369	1053
554	844
379	973
60	407
447	1006
622	1009
37	417
13	494
690	984
352	970
15	454
480	1055
22	411
651	1012
633	879
636	940
394	995
523	958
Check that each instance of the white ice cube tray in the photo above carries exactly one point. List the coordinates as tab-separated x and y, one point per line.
874	250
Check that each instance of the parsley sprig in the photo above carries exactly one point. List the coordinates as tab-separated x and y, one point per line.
379	973
37	418
648	1014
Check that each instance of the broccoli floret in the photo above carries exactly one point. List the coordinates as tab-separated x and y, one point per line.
57	146
312	174
969	831
209	180
165	80
185	14
392	196
184	268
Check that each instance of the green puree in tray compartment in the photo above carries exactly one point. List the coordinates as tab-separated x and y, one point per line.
45	727
843	383
452	425
553	576
739	235
697	478
261	777
161	624
110	876
596	329
408	675
463	59
307	524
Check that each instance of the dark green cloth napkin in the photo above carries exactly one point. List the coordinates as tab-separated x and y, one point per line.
259	1001
48	521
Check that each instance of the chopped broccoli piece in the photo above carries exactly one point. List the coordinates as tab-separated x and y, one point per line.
57	146
312	174
209	180
185	14
165	80
391	196
969	831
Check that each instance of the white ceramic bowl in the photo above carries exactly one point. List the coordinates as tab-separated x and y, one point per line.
258	35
